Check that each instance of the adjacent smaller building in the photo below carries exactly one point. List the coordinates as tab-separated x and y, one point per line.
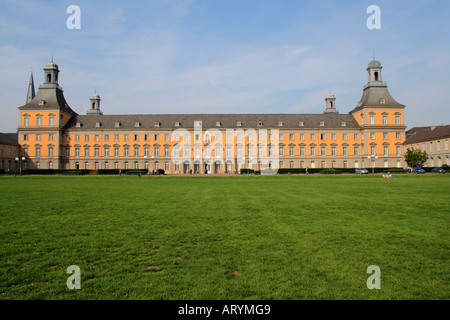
434	140
9	150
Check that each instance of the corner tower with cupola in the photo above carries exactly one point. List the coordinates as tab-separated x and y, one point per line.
42	120
381	119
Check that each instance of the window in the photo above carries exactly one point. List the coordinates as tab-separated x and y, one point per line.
166	137
373	150
355	136
312	136
333	136
385	135
323	150
344	150
398	136
372	118
345	164
156	151
86	152
106	137
51	121
26	121
116	137
197	124
126	151
77	151
291	136
291	164
386	151
385	119
239	151
97	152
136	152
97	138
197	151
356	150
372	135
281	136
39	121
126	137
166	151
116	152
156	137
397	119
302	151
312	150
50	152
157	124
229	152
333	151
106	152
322	136
86	137
25	137
291	151
302	136
344	136
281	150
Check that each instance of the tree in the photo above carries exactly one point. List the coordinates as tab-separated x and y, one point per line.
415	157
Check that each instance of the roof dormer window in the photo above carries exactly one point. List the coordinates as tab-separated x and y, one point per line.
239	124
117	124
157	124
177	124
98	124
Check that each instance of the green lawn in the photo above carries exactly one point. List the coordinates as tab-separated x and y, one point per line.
240	237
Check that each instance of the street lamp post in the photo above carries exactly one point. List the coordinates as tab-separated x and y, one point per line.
19	159
373	164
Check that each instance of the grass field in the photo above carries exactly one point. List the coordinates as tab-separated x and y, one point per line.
240	237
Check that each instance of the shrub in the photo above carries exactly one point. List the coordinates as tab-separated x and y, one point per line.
160	171
329	171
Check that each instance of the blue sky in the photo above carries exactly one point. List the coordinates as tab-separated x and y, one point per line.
226	56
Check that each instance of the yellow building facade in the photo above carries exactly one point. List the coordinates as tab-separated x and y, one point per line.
53	136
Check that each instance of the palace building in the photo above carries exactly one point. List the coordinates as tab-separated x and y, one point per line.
54	136
433	140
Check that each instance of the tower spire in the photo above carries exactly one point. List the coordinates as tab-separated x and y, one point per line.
31	93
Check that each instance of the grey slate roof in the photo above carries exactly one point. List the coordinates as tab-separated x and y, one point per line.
54	99
10	139
372	94
421	134
167	121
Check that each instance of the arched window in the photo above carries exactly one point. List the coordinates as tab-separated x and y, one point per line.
49	78
376	76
